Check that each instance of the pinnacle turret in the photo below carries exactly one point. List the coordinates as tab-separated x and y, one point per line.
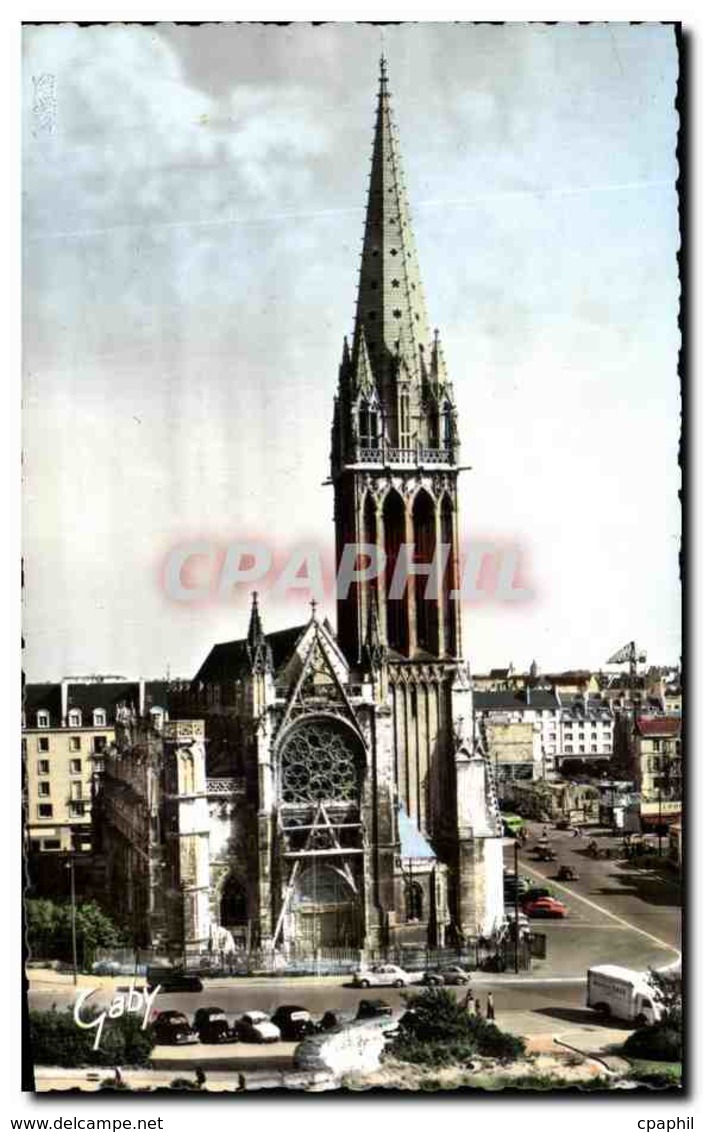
257	648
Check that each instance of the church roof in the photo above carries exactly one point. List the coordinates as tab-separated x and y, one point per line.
226	660
412	842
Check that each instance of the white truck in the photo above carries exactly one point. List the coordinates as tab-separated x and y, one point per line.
617	992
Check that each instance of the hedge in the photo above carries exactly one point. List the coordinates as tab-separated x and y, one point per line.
57	1040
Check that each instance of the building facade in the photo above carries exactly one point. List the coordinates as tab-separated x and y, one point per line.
67	729
320	788
657	769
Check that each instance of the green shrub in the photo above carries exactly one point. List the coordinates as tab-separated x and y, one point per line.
657	1076
661	1042
57	1040
437	1030
433	1053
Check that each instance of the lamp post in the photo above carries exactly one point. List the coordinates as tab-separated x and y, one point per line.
74	943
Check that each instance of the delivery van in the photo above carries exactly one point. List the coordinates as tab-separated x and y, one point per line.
617	992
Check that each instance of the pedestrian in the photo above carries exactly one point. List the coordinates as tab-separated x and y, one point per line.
118	1078
200	1078
490	1008
468	1000
241	1083
477	1008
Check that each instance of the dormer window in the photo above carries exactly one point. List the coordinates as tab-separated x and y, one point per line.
42	719
74	718
99	718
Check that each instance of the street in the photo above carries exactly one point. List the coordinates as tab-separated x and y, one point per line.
617	914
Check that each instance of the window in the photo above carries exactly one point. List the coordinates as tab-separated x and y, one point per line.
413	901
74	743
569	749
607	747
594	749
45	810
43	766
76	766
51	843
24	748
582	749
98	765
404	426
44	789
655	744
99	718
43	743
76	809
76	791
74	718
42	719
99	744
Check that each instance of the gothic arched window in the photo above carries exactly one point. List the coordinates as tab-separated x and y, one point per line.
447	428
404	420
413	901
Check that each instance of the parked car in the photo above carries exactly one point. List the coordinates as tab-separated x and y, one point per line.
512	824
172	1028
373	1008
172	980
106	967
445	976
522	919
294	1022
333	1019
255	1026
381	975
509	881
545	906
212	1025
534	894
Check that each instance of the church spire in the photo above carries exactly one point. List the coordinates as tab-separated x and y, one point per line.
257	648
390	305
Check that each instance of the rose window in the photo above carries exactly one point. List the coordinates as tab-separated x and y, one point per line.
319	764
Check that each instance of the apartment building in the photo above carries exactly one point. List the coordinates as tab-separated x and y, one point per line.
67	729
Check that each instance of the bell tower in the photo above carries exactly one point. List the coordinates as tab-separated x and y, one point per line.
395	465
395	440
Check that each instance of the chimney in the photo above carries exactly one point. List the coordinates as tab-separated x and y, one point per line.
64	702
141	697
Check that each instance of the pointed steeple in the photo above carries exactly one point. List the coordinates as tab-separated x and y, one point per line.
390	305
257	649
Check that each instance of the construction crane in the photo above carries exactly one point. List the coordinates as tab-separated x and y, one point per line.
629	654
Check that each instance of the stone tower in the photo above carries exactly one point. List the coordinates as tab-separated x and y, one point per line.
395	453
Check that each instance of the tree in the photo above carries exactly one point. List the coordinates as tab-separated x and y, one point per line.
668	991
49	930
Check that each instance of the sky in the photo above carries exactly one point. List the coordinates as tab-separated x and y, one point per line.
193	205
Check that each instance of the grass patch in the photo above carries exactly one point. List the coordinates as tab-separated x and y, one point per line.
658	1074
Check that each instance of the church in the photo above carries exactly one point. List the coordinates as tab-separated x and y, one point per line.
320	788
